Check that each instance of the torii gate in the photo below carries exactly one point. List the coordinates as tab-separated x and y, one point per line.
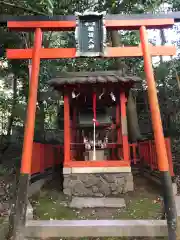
39	24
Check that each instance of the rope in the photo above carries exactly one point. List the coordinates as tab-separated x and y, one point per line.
94	124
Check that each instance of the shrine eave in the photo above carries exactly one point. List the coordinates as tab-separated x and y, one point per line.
73	78
172	15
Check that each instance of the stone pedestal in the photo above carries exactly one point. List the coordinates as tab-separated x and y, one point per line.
97	184
100	155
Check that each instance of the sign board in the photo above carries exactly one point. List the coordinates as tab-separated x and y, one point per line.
90	34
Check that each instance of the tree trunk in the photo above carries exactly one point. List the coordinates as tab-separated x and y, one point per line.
163	41
167	111
6	144
40	120
11	118
132	117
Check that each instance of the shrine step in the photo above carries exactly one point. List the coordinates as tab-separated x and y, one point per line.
104	202
95	228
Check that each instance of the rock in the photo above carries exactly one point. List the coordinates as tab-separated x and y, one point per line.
120	175
174	185
91	180
177	201
120	189
2	191
35	187
129	186
109	178
98	194
29	212
129	177
95	189
74	177
120	181
67	191
113	186
83	177
115	193
4	207
1	207
66	182
80	190
104	188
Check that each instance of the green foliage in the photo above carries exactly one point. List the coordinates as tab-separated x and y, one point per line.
165	75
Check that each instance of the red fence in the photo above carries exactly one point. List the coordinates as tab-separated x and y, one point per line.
133	153
146	151
45	156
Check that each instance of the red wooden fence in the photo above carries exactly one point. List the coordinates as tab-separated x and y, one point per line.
133	153
147	153
45	156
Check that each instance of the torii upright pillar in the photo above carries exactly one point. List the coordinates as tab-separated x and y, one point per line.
169	203
19	213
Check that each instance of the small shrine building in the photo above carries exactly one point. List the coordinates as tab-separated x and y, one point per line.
96	149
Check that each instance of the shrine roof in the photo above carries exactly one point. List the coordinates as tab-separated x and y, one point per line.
170	15
71	78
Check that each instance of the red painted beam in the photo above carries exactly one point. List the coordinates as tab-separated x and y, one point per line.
44	25
55	53
70	25
136	24
109	163
137	51
46	53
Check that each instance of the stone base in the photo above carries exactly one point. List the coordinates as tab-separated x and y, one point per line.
97	184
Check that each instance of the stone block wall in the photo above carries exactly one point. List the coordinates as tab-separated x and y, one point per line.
97	184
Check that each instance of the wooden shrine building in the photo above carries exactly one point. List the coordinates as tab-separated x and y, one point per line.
96	148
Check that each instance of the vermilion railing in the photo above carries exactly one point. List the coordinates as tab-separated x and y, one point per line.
147	153
133	147
46	156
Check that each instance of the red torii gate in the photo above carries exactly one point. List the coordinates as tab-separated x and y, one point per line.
112	22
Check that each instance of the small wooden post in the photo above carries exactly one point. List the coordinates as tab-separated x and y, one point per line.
74	124
67	137
74	131
125	142
94	125
119	137
18	214
169	202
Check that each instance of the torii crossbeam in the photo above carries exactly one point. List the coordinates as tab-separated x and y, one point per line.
39	24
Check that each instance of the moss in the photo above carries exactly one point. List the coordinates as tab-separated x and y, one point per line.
51	205
1	220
